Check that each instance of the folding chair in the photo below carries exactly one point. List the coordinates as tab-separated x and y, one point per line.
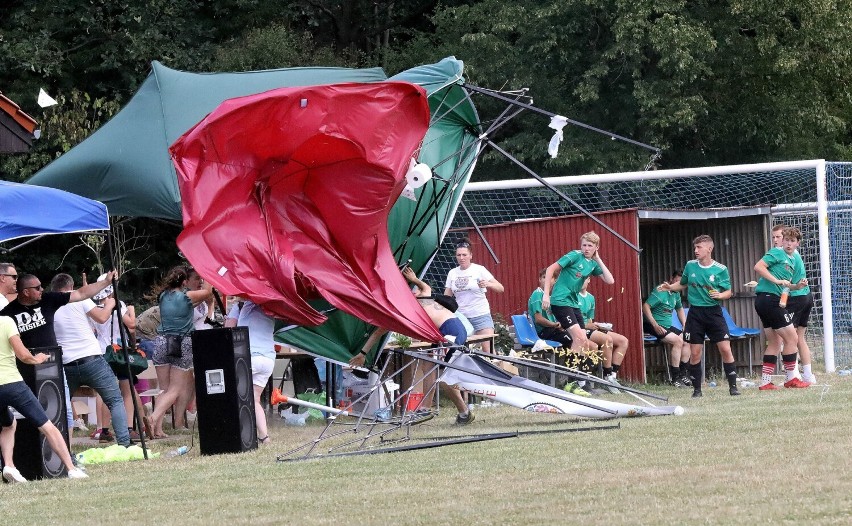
526	335
736	331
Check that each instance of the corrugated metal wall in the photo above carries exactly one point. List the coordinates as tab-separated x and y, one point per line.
525	247
740	242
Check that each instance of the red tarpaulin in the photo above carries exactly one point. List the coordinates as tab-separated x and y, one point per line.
286	196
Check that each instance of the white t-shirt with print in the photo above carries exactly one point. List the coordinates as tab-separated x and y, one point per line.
465	286
73	332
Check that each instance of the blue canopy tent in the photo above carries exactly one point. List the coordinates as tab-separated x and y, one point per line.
35	211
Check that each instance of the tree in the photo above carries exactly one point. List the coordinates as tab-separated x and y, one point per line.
709	82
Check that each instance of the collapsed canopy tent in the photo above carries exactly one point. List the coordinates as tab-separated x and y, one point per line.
307	177
126	164
34	211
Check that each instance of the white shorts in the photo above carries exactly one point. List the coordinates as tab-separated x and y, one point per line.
261	370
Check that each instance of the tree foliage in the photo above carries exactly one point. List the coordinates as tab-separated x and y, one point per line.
710	82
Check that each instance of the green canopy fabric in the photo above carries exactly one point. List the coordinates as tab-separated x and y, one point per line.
126	165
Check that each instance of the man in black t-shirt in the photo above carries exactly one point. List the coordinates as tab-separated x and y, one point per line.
32	312
33	309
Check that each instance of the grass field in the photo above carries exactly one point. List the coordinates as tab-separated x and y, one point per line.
763	457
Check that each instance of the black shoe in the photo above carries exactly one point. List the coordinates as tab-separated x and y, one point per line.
685	380
465	419
697	394
734	391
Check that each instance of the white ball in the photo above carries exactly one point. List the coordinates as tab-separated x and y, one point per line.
678	411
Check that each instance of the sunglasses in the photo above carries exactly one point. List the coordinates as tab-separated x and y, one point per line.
36	287
13	276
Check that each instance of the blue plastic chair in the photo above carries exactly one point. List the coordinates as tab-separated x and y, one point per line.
526	335
734	328
525	332
736	331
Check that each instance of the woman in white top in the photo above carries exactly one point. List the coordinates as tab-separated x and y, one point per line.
469	283
262	347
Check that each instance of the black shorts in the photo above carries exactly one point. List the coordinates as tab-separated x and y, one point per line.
567	316
557	335
649	330
705	322
801	307
772	315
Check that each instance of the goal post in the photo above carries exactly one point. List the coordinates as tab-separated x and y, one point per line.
813	195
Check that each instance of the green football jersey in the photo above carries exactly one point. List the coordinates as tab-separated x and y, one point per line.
662	303
534	305
587	306
799	275
701	280
780	265
575	269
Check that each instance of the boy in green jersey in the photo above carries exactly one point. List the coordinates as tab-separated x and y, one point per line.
707	282
612	344
658	310
776	269
799	304
574	267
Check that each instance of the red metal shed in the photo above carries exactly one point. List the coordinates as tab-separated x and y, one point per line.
525	247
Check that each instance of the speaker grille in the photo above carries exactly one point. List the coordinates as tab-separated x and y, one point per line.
50	397
244	385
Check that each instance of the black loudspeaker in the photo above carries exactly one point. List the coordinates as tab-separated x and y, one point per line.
224	394
33	456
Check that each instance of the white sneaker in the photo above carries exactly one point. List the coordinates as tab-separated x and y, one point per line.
611	378
79	424
77	473
12	475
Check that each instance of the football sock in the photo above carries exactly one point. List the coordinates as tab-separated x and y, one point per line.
769	363
674	371
695	375
806	371
789	361
730	373
607	371
616	367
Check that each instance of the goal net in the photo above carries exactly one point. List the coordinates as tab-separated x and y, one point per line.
796	193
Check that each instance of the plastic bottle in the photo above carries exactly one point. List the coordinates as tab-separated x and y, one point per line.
748	383
785	292
177	452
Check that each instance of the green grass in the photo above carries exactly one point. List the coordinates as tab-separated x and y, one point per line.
763	457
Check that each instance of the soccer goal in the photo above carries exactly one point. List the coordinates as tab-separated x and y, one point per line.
814	196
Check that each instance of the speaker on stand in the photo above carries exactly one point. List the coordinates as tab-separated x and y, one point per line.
224	394
33	456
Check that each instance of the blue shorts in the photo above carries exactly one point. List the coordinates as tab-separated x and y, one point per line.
481	322
454	327
22	399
